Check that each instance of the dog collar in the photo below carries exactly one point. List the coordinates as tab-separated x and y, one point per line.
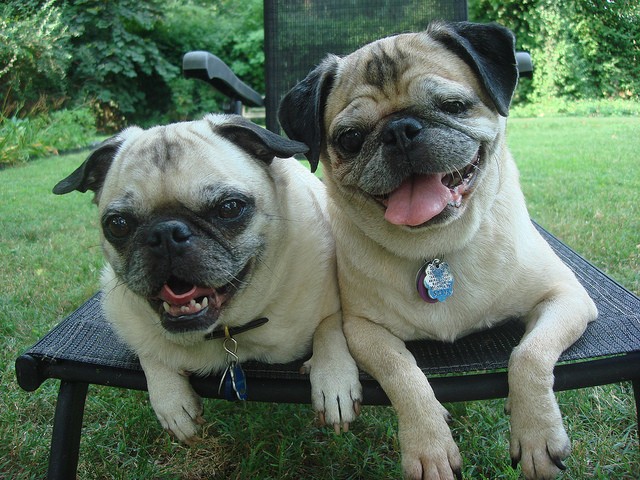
434	281
225	331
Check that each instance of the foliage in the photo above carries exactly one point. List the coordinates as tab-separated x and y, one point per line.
34	54
580	48
115	59
47	133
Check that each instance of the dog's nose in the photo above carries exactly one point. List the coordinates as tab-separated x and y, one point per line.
169	237
401	132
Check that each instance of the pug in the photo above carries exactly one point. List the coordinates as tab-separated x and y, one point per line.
432	232
218	251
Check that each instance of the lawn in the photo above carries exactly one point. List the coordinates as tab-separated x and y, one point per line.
582	181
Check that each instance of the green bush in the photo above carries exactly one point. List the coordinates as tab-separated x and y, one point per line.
23	139
582	49
34	54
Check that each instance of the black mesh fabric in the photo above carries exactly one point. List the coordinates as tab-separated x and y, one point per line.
299	34
85	336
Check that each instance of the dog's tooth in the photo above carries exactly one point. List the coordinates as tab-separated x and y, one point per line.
184	309
192	302
205	302
197	307
166	307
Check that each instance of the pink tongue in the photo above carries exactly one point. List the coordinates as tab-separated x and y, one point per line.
417	200
173	298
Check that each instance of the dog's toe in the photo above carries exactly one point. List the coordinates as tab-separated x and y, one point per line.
541	458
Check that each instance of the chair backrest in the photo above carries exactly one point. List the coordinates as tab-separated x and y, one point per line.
300	33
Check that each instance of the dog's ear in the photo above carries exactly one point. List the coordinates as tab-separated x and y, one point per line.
255	140
93	171
490	50
302	109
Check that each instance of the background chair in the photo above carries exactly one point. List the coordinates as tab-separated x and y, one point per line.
83	349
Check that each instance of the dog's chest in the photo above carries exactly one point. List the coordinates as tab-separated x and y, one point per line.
388	294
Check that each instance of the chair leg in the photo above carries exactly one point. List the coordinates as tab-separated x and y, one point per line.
67	427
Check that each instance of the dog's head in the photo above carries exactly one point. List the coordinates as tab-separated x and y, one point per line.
184	210
407	126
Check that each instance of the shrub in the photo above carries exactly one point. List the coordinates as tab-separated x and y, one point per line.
34	54
22	139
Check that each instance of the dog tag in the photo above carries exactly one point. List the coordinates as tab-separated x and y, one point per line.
233	385
238	381
434	281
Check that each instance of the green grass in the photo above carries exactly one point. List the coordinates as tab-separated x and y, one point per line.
582	181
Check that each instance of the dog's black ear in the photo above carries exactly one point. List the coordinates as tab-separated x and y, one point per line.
302	109
257	141
91	174
490	50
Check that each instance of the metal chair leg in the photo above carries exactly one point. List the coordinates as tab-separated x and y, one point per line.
67	428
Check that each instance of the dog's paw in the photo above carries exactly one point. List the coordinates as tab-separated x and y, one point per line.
538	442
428	451
179	412
336	393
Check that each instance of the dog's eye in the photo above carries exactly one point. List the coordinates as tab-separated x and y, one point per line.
117	226
351	141
230	209
454	107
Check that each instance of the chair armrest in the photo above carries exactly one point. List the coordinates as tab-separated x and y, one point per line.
208	67
525	65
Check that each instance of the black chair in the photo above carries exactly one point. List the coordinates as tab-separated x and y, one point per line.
83	349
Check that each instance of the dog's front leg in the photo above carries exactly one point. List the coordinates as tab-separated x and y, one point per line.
426	444
336	393
177	405
538	439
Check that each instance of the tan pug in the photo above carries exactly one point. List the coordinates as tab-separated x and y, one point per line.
433	236
207	232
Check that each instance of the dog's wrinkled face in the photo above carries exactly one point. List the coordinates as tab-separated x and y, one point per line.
185	212
178	231
409	122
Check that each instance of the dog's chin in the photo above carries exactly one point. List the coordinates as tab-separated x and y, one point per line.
423	200
185	307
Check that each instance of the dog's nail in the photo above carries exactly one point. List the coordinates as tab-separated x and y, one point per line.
336	428
356	407
514	462
558	462
200	420
321	419
345	427
448	418
458	473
